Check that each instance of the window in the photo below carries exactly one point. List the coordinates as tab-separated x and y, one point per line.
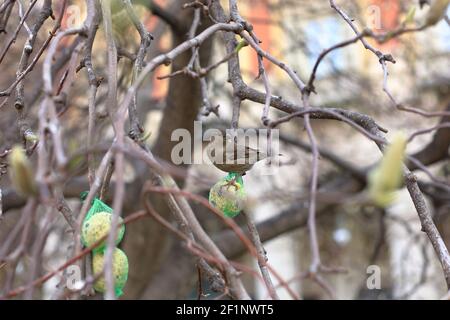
322	34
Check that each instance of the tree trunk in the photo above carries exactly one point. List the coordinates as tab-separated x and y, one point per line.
149	246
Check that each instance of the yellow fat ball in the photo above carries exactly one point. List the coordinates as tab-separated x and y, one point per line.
228	197
98	226
120	271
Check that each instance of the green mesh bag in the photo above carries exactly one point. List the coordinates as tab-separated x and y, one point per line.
120	271
97	224
97	206
228	195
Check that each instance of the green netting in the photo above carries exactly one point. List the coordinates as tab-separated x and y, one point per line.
236	176
229	195
118	292
97	206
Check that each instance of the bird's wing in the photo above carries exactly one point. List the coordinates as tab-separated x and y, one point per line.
255	154
247	156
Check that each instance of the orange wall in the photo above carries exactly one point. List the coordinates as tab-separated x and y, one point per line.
390	17
259	16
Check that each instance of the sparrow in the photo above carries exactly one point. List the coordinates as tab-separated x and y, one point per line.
228	156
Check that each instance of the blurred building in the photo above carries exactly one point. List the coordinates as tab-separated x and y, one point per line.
296	32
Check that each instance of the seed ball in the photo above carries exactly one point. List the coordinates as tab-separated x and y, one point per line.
120	270
228	198
97	227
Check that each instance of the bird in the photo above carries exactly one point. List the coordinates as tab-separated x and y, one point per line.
229	156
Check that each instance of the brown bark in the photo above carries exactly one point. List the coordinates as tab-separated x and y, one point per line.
148	245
